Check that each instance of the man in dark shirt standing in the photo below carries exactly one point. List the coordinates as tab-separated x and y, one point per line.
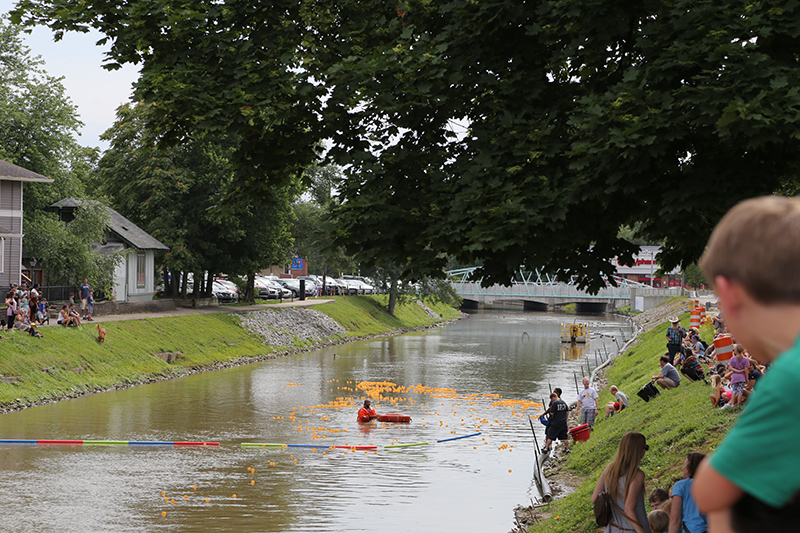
557	427
675	335
84	294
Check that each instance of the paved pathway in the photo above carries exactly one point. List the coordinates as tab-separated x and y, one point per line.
182	311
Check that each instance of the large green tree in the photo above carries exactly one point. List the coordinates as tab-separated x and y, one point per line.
526	133
38	131
499	132
229	68
175	194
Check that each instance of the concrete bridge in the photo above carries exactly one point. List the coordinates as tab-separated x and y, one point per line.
536	292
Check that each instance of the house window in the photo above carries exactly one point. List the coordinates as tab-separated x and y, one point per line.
140	270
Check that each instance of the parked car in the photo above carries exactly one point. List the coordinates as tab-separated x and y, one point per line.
363	287
294	286
282	292
349	286
224	294
228	284
264	288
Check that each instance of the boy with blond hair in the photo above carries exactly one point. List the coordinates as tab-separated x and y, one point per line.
752	263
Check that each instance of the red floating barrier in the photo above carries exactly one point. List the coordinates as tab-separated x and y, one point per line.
394	417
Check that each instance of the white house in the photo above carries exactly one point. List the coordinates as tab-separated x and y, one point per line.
12	178
134	278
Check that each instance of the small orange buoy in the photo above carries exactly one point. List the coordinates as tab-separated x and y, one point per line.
185	496
163	493
208	500
252	481
163	513
234	495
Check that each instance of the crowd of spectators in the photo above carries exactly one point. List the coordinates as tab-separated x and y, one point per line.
27	309
22	307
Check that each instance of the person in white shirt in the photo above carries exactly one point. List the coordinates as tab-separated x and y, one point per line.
587	403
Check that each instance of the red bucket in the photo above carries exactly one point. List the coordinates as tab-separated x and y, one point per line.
581	432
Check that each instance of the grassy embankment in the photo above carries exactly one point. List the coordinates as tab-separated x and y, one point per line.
68	362
675	422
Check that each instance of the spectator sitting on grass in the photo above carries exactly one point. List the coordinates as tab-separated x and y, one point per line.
691	367
64	318
668	378
73	314
684	513
620	403
23	323
659	521
721	395
659	499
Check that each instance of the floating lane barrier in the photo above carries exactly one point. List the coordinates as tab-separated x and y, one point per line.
60	442
346	447
461	437
320	446
407	445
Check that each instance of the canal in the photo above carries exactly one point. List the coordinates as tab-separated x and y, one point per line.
480	374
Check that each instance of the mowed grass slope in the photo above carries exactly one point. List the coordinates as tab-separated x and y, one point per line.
675	423
67	362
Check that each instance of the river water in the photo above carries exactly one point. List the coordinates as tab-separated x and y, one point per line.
480	374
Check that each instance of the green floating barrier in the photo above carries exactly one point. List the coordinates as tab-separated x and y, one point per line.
262	445
406	445
105	443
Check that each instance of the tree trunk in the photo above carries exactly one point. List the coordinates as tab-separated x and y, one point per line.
175	283
184	281
167	284
324	279
250	292
198	280
210	285
392	296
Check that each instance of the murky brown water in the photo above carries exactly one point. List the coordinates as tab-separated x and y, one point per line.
469	485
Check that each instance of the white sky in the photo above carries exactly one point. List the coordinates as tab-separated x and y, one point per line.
95	91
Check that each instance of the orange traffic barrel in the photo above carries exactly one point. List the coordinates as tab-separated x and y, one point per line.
723	347
703	314
694	319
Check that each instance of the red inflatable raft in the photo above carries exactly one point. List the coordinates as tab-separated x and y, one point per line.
394	417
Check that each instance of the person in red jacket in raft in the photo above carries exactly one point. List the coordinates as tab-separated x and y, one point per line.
366	413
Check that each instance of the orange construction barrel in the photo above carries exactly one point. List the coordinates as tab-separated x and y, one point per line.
581	433
694	319
723	347
703	314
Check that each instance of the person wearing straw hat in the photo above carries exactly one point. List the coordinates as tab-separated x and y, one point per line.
675	335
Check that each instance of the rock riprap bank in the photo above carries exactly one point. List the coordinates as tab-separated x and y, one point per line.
289	326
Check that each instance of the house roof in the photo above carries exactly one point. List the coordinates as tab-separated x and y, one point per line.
12	172
130	232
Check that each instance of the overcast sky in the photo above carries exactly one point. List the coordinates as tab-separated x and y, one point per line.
95	91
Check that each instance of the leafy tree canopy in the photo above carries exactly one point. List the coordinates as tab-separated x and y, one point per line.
498	132
526	133
213	67
174	193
